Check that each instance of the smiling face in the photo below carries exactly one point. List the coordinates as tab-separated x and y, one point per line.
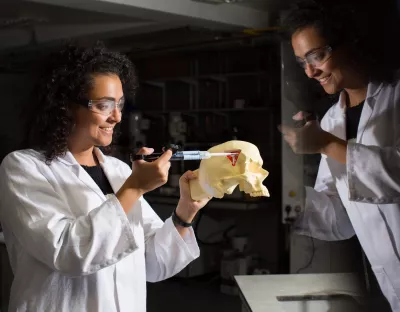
95	129
336	73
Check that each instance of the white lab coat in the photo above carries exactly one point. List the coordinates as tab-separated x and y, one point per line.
363	196
71	248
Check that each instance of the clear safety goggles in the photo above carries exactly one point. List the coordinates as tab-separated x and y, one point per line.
103	106
316	58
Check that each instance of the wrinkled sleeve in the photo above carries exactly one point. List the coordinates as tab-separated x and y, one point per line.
324	215
167	253
44	225
373	173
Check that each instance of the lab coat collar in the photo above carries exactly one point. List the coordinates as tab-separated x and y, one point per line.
339	110
70	160
373	89
81	173
100	156
372	93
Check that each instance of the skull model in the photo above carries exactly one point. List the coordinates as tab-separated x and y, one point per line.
221	175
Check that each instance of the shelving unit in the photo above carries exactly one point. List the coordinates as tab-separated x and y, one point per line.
213	80
217	91
211	110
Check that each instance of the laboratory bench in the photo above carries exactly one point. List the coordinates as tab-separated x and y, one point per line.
333	292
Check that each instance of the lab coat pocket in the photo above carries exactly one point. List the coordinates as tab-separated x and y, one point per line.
390	286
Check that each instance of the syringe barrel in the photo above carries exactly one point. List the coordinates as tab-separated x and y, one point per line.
193	155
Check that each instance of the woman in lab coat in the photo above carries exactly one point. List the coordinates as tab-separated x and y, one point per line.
79	233
357	191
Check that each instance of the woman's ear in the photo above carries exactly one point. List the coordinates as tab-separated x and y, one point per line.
72	111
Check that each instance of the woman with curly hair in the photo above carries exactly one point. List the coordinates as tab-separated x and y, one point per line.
80	236
357	191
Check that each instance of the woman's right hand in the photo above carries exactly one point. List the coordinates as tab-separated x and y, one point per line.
147	176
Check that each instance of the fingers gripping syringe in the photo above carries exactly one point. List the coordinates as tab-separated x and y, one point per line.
183	155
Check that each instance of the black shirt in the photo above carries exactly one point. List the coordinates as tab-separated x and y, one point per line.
353	115
98	175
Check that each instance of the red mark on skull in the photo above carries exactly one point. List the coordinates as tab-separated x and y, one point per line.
233	158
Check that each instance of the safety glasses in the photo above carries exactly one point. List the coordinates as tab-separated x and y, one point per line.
316	58
104	106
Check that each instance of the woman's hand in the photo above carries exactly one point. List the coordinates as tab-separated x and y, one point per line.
187	207
309	139
147	176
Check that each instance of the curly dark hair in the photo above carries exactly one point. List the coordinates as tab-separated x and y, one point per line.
67	76
368	29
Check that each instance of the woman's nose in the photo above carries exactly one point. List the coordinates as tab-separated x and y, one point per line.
116	115
311	71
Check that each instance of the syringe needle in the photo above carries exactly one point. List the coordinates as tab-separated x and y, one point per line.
223	154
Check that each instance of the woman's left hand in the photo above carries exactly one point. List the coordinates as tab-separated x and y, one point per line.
309	139
187	207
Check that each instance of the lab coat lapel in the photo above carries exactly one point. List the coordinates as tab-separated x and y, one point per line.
338	118
87	179
81	173
368	108
112	173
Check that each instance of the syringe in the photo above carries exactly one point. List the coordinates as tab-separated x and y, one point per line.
198	155
184	155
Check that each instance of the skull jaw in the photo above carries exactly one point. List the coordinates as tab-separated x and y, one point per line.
255	189
252	184
197	192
